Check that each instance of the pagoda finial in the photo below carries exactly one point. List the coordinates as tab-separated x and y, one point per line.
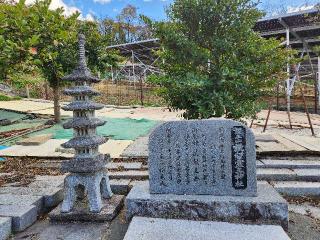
82	53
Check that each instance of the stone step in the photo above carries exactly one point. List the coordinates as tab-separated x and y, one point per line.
305	209
5	227
120	186
136	175
51	196
296	164
143	228
124	166
284	174
22	216
297	188
22	200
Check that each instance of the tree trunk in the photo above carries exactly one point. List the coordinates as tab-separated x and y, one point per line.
27	91
56	103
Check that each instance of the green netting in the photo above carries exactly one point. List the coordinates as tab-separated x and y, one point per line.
12	116
115	128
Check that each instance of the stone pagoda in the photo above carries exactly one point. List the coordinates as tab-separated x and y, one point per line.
88	179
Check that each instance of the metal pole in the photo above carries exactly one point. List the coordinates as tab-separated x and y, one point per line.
288	80
133	70
318	80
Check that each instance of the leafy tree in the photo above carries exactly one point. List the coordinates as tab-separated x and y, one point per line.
215	64
35	36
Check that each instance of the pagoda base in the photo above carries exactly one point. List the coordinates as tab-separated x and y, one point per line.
81	213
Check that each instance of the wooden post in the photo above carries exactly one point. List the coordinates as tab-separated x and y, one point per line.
268	116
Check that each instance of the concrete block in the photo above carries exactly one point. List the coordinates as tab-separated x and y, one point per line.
51	196
275	174
137	175
295	188
170	229
308	174
124	166
5	227
35	140
22	200
120	187
22	216
267	208
296	164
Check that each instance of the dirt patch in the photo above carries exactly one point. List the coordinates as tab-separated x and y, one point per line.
22	171
303	227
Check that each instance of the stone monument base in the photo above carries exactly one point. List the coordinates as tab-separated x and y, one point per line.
171	229
110	209
267	208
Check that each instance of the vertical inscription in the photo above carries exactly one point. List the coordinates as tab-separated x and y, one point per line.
221	153
239	161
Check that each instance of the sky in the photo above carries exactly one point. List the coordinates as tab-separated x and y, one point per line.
156	8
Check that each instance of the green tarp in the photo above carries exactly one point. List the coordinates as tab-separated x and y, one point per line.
115	128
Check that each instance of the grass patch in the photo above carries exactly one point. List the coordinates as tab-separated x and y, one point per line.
8	98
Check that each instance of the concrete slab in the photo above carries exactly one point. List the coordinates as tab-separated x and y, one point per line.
136	182
48	182
139	148
297	164
46	149
305	209
310	143
290	145
265	138
110	209
22	200
124	166
169	229
274	174
267	208
51	196
120	187
5	227
35	140
22	216
297	188
136	175
114	147
308	174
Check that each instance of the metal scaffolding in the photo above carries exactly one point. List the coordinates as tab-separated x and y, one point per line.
140	61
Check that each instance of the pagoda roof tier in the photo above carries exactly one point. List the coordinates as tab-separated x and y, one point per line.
81	122
85	164
82	105
81	90
85	142
81	74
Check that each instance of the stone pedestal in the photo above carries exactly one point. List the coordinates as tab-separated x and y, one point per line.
268	207
110	209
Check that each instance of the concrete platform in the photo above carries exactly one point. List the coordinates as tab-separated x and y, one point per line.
267	208
22	216
110	209
170	229
5	227
35	140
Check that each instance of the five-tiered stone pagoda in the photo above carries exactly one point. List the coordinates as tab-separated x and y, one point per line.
88	176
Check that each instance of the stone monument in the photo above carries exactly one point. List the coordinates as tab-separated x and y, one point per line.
205	170
88	181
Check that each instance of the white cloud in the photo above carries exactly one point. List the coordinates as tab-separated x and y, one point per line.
102	1
68	9
291	9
